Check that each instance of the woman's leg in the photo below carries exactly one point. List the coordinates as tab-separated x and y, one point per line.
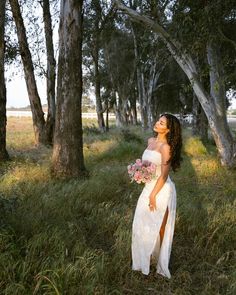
163	225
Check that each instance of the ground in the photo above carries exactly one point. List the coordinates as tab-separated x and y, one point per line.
73	236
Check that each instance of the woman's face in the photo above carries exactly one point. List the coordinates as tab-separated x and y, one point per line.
161	126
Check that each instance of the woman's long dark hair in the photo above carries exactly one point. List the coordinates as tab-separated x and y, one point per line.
174	139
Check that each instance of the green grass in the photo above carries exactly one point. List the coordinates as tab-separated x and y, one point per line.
73	237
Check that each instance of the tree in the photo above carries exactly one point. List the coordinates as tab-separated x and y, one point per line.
68	160
35	103
96	16
3	118
51	70
213	102
43	129
120	63
151	60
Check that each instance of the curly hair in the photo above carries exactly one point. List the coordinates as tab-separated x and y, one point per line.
174	139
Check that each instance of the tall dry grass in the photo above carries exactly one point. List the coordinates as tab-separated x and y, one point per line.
73	236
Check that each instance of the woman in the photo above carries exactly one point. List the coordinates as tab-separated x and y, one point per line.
154	219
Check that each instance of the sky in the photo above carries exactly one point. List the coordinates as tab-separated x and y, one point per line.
17	95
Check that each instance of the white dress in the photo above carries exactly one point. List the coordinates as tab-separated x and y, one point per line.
147	224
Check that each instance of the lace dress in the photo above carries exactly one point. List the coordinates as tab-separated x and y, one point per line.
147	224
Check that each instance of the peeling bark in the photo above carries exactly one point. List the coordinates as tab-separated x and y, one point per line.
68	159
3	118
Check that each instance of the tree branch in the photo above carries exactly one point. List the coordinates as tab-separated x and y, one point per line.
224	37
173	45
184	60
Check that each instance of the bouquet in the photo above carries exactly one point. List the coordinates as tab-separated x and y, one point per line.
141	172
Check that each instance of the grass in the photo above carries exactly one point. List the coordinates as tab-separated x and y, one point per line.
73	237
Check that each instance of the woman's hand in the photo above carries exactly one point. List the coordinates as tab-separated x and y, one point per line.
152	203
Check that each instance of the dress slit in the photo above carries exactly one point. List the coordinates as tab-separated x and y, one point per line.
147	225
157	244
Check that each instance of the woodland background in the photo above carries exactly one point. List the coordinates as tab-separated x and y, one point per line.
66	204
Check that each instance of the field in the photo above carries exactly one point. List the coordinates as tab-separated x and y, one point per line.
73	237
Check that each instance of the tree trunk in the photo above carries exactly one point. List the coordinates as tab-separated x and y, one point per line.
152	83
149	94
100	20
133	108
99	109
142	98
3	117
68	159
51	71
35	103
107	119
140	84
199	123
221	131
118	111
118	94
211	105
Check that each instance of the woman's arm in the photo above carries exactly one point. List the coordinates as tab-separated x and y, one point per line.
165	168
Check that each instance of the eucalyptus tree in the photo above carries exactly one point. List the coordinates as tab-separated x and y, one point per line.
42	128
120	63
202	29
51	70
173	92
150	65
97	13
139	79
213	101
68	160
36	107
136	60
199	122
108	94
151	60
3	119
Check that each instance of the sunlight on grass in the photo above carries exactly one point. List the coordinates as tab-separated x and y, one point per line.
25	175
20	133
194	147
206	167
74	236
98	147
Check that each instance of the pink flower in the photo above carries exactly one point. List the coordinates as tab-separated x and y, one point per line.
141	172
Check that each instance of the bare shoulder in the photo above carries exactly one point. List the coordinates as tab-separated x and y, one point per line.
165	148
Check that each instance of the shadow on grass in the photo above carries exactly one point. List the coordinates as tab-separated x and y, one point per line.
81	229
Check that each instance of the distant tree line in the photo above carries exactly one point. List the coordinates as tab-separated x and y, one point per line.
140	56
